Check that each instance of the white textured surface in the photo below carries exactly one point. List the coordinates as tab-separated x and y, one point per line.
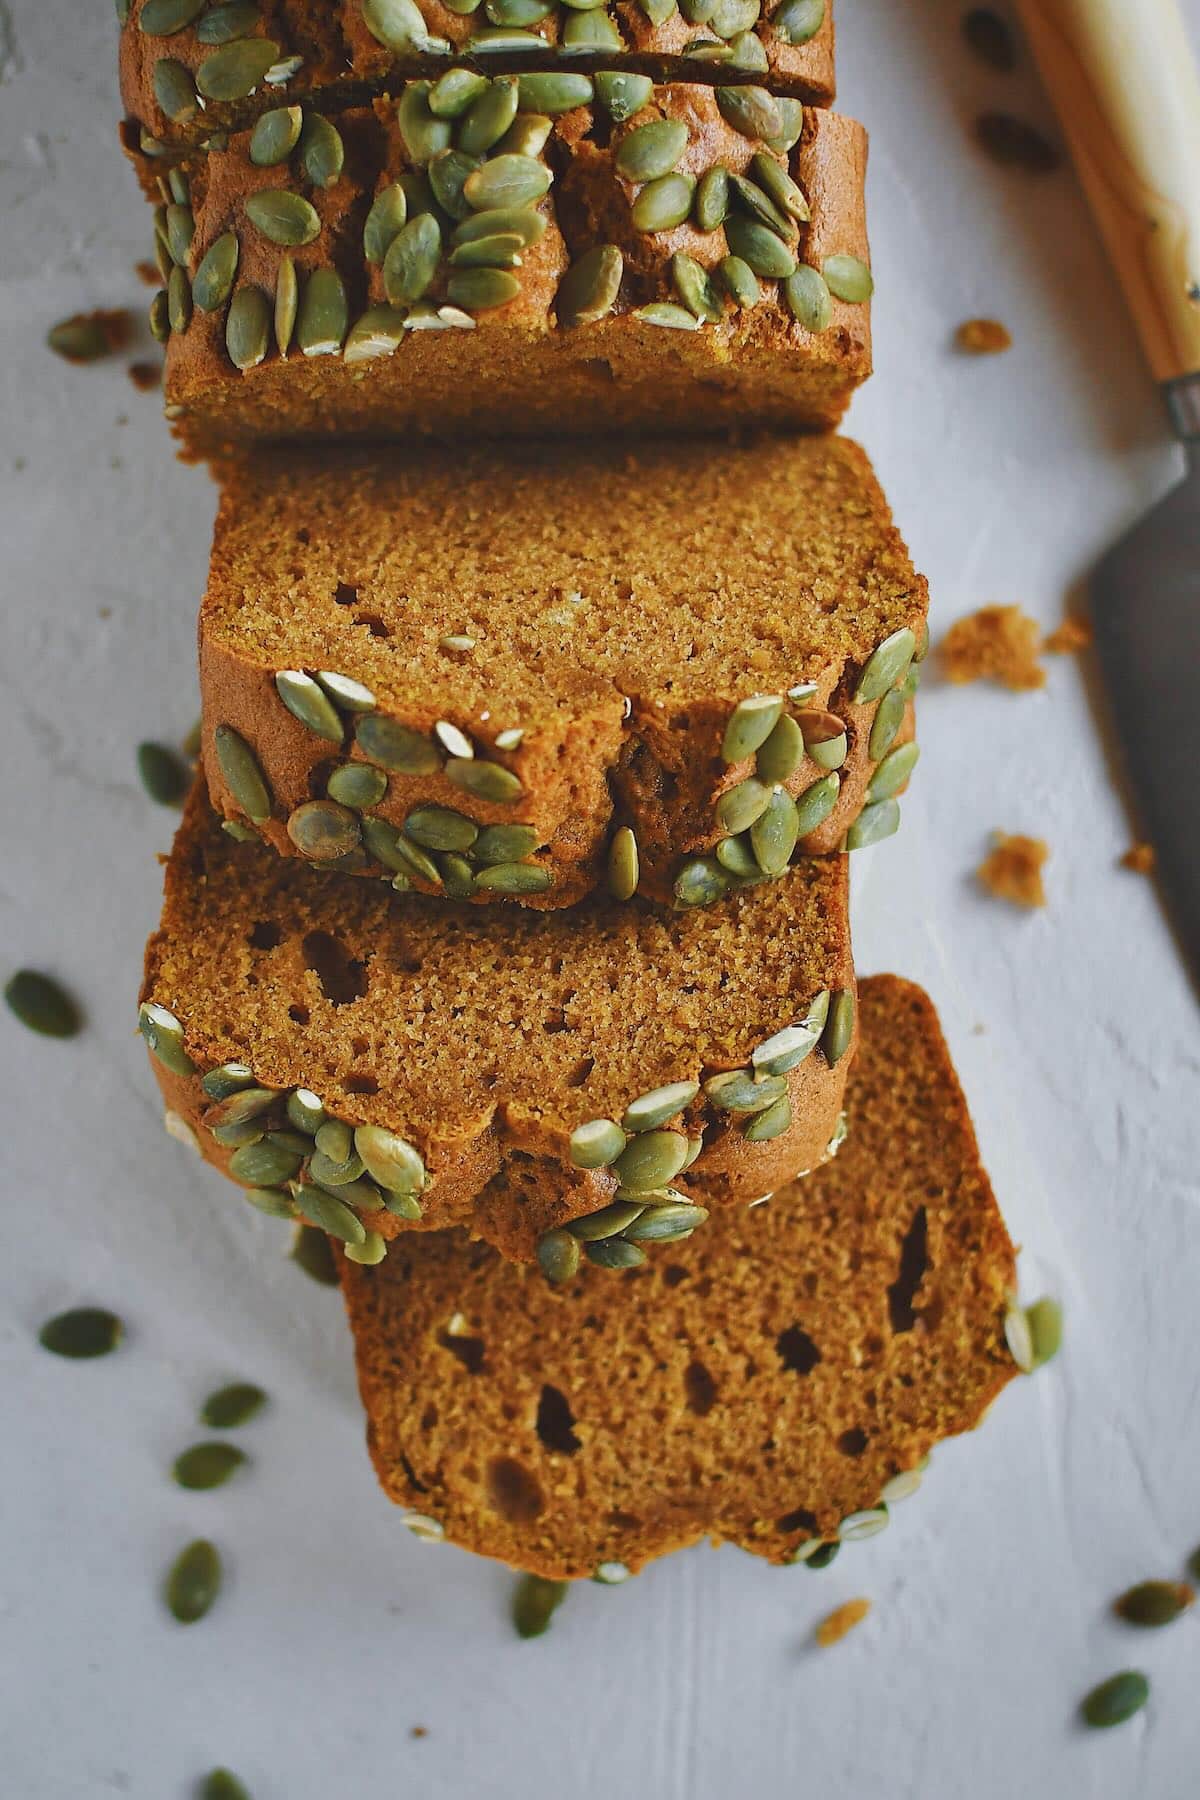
1074	1029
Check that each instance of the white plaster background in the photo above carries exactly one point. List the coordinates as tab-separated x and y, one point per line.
1074	1029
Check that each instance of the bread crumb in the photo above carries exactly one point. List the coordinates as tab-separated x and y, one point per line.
85	337
1072	635
983	337
997	643
844	1618
149	273
419	1731
1141	858
1012	870
145	376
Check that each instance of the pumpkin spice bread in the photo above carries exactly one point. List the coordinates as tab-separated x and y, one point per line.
674	667
194	68
376	1064
777	1381
530	255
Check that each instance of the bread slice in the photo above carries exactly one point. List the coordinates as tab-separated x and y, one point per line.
608	628
517	1071
776	1381
411	305
336	52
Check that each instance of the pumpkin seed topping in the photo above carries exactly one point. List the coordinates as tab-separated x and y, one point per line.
42	1005
755	201
661	205
207	1465
901	1486
324	314
695	288
84	1332
770	1124
759	246
193	1581
1116	1699
322	151
283	217
796	21
323	830
248	327
865	1524
739	281
752	111
1019	1338
589	288
485	780
159	316
164	1036
739	1091
163	18
650	1161
453	92
611	1574
596	1144
357	785
615	1253
665	314
839	1025
807	298
440	828
892	772
623	864
774	833
816	803
740	806
175	90
608	1222
1045	1327
236	69
429	1530
307	701
848	278
330	1214
229	1078
232	1406
1154	1603
622	95
275	136
276	1203
243	777
223	1784
750	724
389	1159
700	881
886	665
781	754
874	823
287	302
514	878
372	1250
213	280
163	774
736	855
651	150
506	180
311	1252
504	843
788	1047
668	1223
889	716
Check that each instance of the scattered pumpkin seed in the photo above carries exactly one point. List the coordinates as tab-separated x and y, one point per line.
248	327
623	865
287	302
390	1159
873	824
615	1253
230	1078
886	665
397	24
440	828
736	855
661	205
322	151
394	746
816	803
41	1004
243	777
623	95
429	1530
164	1036
590	33
500	252
607	1222
1116	1699
223	1784
589	288
1154	1603
774	833
757	203
324	314
611	1574
1045	1327
235	70
770	1124
329	1213
485	780
283	217
482	290
507	180
695	288
163	774
82	1333
860	1525
700	881
263	1165
311	1251
739	1091
275	136
207	1465
163	18
213	280
221	24
231	1406
889	716
193	1581
653	1109
666	1223
651	1160
514	878
371	1251
402	1206
892	772
535	1602
417	861
808	299
453	92
711	202
796	21
651	150
307	701
323	830
458	877
504	843
740	806
1019	1338
781	752
758	246
848	278
788	1047
596	1144
751	111
159	316
558	1255
750	725
839	1025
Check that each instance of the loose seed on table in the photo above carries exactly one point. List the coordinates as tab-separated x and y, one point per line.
1154	1603
41	1004
231	1406
193	1581
1116	1699
207	1465
534	1603
82	1333
163	774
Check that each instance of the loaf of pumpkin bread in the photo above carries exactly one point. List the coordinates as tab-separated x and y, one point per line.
778	1380
528	255
376	1063
194	68
662	668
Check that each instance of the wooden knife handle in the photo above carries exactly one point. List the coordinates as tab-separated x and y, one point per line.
1123	80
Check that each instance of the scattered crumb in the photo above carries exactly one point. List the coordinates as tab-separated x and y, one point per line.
988	35
105	612
149	273
1141	858
419	1731
145	376
1015	145
1072	635
843	1619
983	337
999	643
85	337
1012	869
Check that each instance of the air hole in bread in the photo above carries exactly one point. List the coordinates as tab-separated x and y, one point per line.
852	1442
264	935
429	1417
914	1260
797	1350
513	1492
555	1422
299	1014
470	1351
343	593
341	977
361	1084
579	1074
374	624
624	1521
673	1274
700	1389
412	1475
798	1521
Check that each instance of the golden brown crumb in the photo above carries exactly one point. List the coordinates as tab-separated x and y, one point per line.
1012	870
419	1731
149	273
843	1619
1141	858
983	337
997	643
145	376
1072	635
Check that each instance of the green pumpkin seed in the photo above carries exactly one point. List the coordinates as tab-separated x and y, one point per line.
740	806
193	1581
750	725
772	177
323	830
230	1078
287	300
892	772
649	151
372	1250
238	1132
324	315
740	281
514	878
596	1144
873	824
589	288
663	1224
330	1214
1116	1699
242	775
824	738
440	828
502	221
424	135
712	198
485	780
42	1005
770	1124
412	259
558	1255
815	804
839	1025
312	1252
309	703
773	835
394	746
232	1406
663	204
605	1223
180	228
335	1140
357	785
739	1091
480	290
221	24
797	21
179	300
175	90
695	289
500	252
1045	1322
623	864
504	843
780	754
888	719
322	152
207	1465
1154	1603
555	93
164	1036
383	842
886	665
247	1103
700	881
417	862
248	327
535	1602
623	95
730	18
448	172
488	117
653	1109
453	92
352	696
275	136
396	24
389	1159
751	111
819	1556
866	1524
213	281
84	1332
388	216
759	246
697	12
758	204
615	1253
735	854
305	1111
848	278
651	1160
159	316
283	217
235	70
611	1574
163	18
402	1206
667	316
278	75
263	1165
590	33
782	1051
499	42
295	1141
507	181
223	1784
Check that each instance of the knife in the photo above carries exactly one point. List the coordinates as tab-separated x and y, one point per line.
1123	81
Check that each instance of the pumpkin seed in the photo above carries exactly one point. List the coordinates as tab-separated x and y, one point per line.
309	703
246	1103
179	300
235	70
401	1206
335	1140
323	830
175	90
329	1213
652	150
873	824
770	1124
221	24
263	1165
757	245
839	1025
590	33
485	780
305	1111
275	136
797	21
237	1132
740	1091
901	1486
886	665
287	300
504	843
611	1574
607	1222
807	298
163	18
735	854
623	95
389	1159
322	151
43	1006
231	1406
558	1255
623	864
501	40
448	171
164	1036
750	111
417	862
596	1144
700	881
84	1332
230	1078
207	1465
488	117
193	1581
357	785
396	24
554	93
740	806
750	725
860	1525
514	878
780	754
712	198
615	1253
1019	1338
159	316
243	777
589	288
773	835
278	75
508	180
500	252
312	1252
848	278
506	221
482	289
816	803
782	1051
730	18
295	1141
440	828
889	716
535	1602
1154	1603
382	841
739	281
661	205
387	217
372	1250
394	746
773	178
892	772
283	217
1045	1321
179	227
213	280
324	314
759	205
223	1784
423	1527
1116	1699
458	877
248	327
453	92
663	1224
411	261
695	289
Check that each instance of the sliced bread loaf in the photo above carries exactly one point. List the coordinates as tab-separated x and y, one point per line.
777	1381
